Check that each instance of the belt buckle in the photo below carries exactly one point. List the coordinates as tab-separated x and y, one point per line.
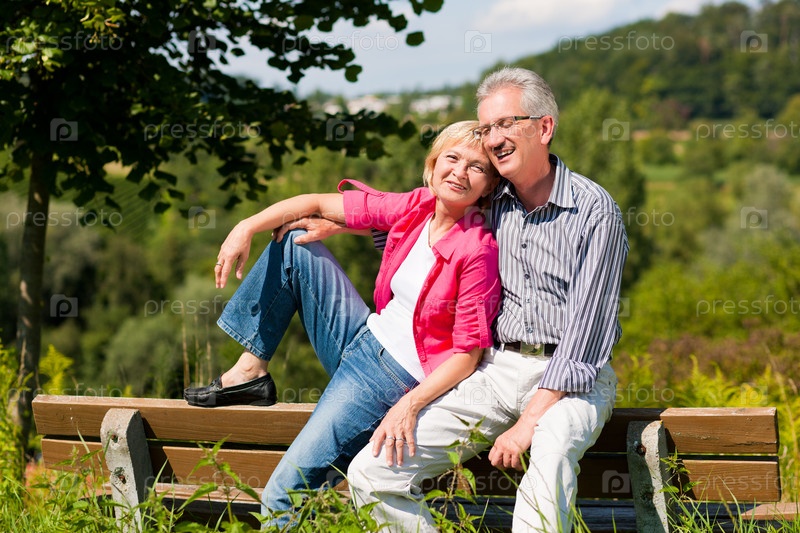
531	349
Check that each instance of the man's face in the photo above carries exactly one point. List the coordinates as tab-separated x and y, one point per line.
518	152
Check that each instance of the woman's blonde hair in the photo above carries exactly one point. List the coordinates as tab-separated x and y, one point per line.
458	133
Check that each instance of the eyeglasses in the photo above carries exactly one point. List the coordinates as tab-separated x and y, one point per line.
502	124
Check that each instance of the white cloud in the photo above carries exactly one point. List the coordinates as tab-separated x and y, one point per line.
520	14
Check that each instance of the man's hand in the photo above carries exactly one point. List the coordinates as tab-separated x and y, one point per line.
317	228
509	447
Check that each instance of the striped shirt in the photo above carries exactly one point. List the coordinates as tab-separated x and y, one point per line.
561	268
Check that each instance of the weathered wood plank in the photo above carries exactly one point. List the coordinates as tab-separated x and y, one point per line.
727	480
174	419
722	430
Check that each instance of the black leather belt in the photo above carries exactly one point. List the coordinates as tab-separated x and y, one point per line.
528	349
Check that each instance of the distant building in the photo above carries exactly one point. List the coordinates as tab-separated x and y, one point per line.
434	103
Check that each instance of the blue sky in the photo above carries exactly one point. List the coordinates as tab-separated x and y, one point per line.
462	40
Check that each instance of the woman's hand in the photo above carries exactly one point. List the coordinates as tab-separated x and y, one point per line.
396	431
233	253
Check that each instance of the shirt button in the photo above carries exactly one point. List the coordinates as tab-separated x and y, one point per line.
524	244
527	276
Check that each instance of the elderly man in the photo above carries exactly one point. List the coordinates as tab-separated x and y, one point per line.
547	385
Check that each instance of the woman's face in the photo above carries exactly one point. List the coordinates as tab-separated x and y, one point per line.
461	176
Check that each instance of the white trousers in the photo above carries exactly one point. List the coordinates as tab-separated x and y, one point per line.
492	398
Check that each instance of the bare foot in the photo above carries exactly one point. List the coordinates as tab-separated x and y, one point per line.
247	368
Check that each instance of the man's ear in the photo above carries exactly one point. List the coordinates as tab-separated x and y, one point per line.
548	125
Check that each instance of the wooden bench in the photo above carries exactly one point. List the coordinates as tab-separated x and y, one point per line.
726	455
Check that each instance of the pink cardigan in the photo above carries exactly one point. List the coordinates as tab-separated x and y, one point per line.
460	296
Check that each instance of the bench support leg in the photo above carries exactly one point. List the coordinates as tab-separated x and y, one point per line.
647	446
128	462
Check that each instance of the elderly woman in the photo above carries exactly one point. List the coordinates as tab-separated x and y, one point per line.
436	295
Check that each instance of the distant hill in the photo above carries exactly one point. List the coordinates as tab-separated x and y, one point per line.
726	61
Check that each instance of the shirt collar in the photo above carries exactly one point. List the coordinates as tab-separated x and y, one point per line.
560	195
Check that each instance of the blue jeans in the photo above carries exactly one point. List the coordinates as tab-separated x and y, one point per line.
365	380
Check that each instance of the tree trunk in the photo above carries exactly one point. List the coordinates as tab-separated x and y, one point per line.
29	322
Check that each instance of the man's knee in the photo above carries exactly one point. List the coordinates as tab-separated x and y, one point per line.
359	474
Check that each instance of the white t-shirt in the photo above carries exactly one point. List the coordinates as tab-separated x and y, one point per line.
394	327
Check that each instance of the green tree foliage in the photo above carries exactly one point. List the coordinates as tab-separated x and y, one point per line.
719	63
594	139
86	84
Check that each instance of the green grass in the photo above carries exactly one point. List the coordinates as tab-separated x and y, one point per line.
44	500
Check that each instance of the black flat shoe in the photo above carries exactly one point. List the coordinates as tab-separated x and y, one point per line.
259	391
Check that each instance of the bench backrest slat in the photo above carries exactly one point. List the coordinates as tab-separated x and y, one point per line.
174	419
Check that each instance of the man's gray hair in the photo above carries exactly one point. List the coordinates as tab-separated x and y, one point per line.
537	97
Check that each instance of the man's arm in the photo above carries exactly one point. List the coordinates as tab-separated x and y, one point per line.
317	228
586	343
